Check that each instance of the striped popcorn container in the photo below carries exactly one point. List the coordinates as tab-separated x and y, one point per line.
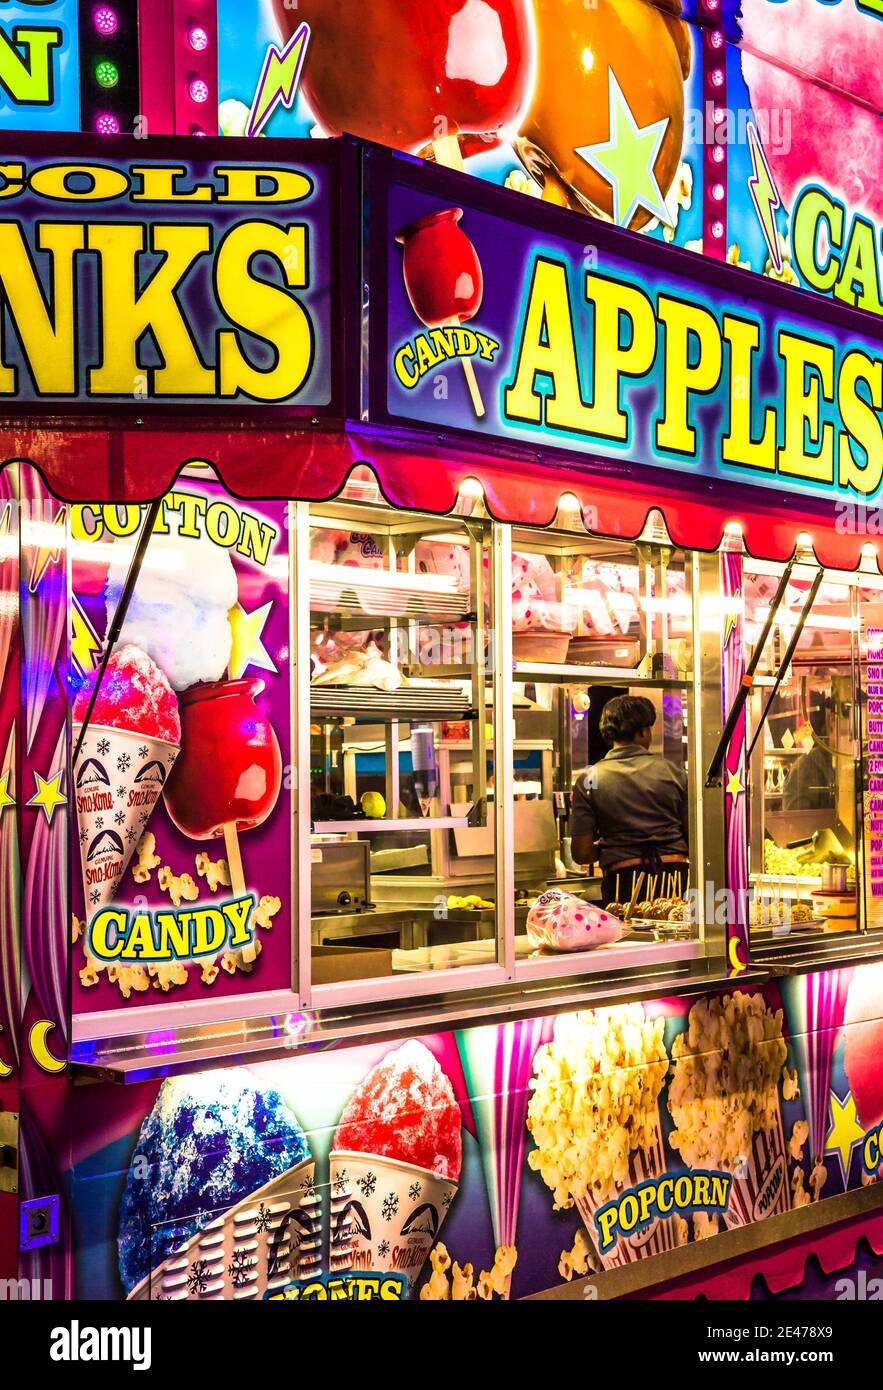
657	1235
760	1184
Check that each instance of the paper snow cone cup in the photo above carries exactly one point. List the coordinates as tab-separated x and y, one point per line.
118	779
385	1214
760	1185
250	1251
658	1235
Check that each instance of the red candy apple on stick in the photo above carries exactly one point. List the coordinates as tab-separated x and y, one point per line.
229	774
443	278
415	74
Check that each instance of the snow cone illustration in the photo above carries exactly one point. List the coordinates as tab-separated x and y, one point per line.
131	743
220	1201
724	1100
395	1165
594	1117
610	79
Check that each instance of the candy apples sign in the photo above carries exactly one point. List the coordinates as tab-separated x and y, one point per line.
163	281
605	350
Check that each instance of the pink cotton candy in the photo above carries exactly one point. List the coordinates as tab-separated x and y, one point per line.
558	921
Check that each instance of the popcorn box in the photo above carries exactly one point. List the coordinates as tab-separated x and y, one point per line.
255	1247
658	1235
385	1214
763	1190
118	779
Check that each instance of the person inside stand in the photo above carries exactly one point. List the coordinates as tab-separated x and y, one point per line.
630	810
809	785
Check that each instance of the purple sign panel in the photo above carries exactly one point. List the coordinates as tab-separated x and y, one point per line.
533	332
181	862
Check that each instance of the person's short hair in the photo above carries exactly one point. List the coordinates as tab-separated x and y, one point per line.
626	715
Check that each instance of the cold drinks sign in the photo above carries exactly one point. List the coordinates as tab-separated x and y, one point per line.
150	281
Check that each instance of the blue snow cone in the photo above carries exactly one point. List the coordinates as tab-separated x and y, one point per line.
209	1141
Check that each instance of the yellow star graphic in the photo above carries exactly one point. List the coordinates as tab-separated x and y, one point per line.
845	1131
6	797
48	795
734	784
627	159
248	649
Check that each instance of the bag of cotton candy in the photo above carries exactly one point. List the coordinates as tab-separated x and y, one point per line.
560	922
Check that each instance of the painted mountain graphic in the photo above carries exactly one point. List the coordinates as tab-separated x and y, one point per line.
351	1220
92	774
152	772
108	842
423	1218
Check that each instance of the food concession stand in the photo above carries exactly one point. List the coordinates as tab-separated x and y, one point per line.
340	492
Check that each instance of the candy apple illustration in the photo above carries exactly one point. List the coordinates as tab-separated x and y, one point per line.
605	128
408	74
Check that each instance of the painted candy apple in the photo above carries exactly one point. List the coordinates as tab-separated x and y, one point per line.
230	768
407	72
622	53
441	269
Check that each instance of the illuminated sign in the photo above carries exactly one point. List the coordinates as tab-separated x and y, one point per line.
179	281
650	358
39	65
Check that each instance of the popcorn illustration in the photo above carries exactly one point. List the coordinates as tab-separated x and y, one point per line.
594	1117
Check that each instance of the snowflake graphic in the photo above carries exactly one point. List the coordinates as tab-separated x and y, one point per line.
143	818
368	1184
143	751
240	1271
104	747
130	836
197	1279
390	1207
121	791
124	762
119	818
94	896
308	1188
262	1220
99	822
340	1182
448	1198
83	837
414	1191
383	1249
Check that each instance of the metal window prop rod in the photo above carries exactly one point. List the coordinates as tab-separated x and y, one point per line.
119	617
713	775
786	659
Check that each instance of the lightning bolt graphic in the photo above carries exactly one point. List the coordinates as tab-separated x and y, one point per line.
85	646
764	196
48	553
278	80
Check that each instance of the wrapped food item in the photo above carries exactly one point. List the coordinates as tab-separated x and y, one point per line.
358	667
559	921
724	1100
594	1117
130	747
395	1164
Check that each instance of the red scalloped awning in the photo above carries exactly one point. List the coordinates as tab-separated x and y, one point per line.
782	1267
136	465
